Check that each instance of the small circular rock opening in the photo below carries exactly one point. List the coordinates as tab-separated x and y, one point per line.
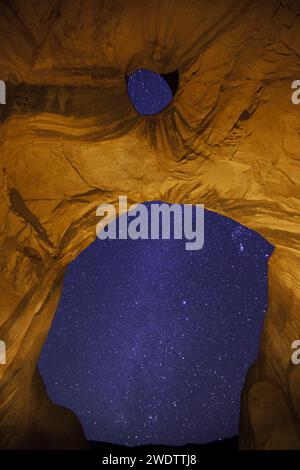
151	92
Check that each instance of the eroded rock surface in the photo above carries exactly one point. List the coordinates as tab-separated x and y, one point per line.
71	140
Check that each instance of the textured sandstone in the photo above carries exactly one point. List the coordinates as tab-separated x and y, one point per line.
71	140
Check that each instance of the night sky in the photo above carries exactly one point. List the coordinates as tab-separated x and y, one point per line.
151	343
148	92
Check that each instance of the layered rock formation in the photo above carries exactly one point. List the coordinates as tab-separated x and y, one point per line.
71	140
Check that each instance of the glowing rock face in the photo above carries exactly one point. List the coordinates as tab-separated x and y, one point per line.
71	140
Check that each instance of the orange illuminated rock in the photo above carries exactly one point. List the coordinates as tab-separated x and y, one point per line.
71	140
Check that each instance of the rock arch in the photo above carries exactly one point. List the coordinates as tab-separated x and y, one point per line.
70	140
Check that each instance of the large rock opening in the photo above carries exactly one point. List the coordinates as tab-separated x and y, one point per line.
151	342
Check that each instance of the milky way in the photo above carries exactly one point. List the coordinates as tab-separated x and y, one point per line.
148	92
151	342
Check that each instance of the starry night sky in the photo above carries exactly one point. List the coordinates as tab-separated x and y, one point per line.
148	92
151	343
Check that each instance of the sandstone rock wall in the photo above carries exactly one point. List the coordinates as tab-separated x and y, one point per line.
71	140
